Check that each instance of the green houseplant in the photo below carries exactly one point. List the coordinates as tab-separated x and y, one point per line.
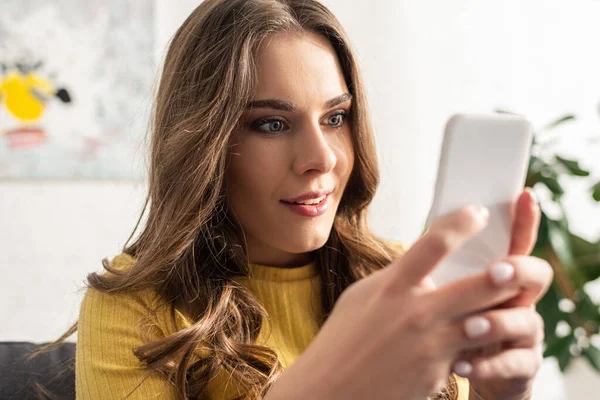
572	318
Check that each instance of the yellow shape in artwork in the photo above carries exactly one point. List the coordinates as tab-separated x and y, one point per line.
17	93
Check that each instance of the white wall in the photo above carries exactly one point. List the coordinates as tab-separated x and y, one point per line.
53	234
423	60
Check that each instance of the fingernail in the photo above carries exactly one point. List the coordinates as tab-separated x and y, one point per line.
477	326
482	212
502	272
462	368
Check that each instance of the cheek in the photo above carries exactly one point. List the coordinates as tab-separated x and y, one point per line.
344	151
252	176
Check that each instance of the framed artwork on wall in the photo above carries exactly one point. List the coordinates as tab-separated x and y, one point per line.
76	80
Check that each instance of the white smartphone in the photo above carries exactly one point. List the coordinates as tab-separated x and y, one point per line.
484	160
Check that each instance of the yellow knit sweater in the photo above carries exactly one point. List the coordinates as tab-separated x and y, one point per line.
110	327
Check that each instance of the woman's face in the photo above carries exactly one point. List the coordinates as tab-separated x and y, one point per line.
293	144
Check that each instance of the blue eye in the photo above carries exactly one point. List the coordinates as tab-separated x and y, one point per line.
337	120
269	125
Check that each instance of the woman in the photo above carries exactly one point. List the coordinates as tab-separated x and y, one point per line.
255	273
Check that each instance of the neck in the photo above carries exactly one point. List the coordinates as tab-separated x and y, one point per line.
282	261
262	254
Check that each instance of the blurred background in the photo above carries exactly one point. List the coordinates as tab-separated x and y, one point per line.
71	170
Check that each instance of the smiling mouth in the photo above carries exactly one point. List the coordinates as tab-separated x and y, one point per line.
310	207
310	202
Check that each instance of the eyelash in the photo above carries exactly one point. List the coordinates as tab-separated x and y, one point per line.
263	121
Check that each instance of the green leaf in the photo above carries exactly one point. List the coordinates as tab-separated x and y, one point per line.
552	185
593	356
425	226
587	257
549	171
535	164
558	236
596	191
564	225
572	166
559	121
559	242
591	271
542	236
539	171
560	350
582	247
589	266
502	111
586	308
551	314
565	357
559	346
532	179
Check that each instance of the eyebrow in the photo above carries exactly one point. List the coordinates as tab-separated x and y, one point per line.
282	105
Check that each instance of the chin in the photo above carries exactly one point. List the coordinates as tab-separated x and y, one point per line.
305	244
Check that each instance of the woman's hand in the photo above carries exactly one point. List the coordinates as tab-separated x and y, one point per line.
506	370
393	335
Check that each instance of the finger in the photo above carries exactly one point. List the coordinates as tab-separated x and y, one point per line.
496	347
530	295
445	235
517	327
525	276
508	364
525	224
523	299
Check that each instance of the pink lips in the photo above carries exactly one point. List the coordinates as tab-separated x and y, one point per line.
309	210
310	195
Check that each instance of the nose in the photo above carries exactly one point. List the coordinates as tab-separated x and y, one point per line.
313	152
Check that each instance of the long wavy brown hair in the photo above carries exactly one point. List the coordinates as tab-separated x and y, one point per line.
190	246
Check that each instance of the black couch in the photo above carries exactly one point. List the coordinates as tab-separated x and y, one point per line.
53	370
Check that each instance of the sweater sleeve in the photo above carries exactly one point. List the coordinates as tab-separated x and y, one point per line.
109	329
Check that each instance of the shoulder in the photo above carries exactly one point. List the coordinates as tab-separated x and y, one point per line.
110	327
96	299
104	311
